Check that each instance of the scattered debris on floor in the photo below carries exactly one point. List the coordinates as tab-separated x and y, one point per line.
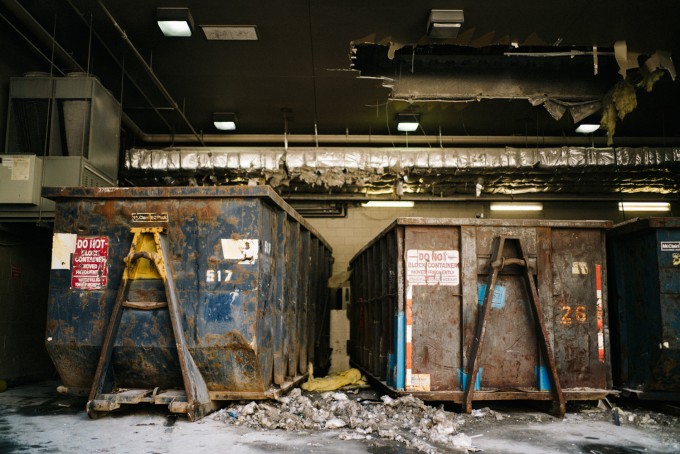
630	416
406	419
361	415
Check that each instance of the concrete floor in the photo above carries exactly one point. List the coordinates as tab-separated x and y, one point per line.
37	419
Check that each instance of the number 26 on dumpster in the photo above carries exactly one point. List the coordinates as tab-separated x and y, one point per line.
573	314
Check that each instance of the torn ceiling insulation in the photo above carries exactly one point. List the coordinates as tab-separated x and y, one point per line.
418	172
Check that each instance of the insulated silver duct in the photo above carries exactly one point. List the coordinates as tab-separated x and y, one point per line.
433	172
178	159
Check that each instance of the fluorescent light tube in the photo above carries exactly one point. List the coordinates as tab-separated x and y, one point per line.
644	206
516	207
389	204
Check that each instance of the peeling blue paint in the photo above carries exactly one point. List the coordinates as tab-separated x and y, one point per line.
498	299
543	378
400	378
463	377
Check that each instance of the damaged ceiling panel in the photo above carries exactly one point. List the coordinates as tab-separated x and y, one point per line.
338	74
577	81
424	172
454	73
304	63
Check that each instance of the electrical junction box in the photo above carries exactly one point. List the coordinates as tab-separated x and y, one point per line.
20	179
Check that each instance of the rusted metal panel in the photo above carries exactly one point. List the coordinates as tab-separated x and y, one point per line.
324	327
442	267
576	330
233	253
644	264
509	350
304	300
279	344
437	351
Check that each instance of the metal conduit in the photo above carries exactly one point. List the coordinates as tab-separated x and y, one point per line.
435	141
151	74
134	127
44	37
46	40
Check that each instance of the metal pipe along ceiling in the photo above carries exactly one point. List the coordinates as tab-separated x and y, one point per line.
168	97
365	139
126	120
46	40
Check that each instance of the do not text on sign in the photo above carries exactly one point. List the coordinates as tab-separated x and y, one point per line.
89	270
425	267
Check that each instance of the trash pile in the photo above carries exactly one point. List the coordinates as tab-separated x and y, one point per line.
628	415
358	414
406	419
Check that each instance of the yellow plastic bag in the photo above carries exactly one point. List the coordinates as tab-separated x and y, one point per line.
334	381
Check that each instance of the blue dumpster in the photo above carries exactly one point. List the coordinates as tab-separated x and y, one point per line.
644	275
218	286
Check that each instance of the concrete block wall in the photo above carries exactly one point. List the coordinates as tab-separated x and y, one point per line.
348	235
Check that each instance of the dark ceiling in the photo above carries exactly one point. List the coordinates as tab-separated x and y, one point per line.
344	69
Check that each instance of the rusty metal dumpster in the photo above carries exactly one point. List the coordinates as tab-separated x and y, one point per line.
422	321
183	296
644	283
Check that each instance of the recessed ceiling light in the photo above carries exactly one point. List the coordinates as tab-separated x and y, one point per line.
230	32
224	121
587	128
175	22
407	122
444	23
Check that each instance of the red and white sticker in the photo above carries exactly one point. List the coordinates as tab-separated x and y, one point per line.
424	267
600	313
89	270
15	272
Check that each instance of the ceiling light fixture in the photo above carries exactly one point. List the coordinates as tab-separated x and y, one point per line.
175	22
407	122
516	207
587	128
444	23
389	204
224	121
644	206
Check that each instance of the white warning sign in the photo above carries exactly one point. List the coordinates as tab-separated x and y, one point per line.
245	251
670	246
432	267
